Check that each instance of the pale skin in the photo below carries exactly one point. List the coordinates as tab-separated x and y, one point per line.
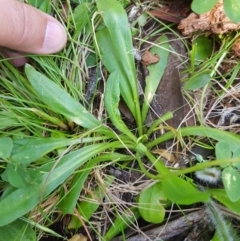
28	30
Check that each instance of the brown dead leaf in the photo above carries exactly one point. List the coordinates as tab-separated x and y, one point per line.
175	12
78	237
236	48
169	156
169	95
149	58
214	21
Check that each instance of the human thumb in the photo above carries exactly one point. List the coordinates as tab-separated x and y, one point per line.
26	29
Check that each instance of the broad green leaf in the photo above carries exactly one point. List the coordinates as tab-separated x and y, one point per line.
116	21
151	203
198	80
28	198
111	62
87	207
123	221
16	175
117	46
231	182
223	151
111	101
6	145
18	203
17	231
221	196
182	192
59	100
156	72
203	6
30	149
202	48
232	9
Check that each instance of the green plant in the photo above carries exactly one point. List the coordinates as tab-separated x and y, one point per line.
231	7
46	101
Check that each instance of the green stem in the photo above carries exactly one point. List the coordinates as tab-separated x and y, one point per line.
144	170
216	134
138	117
158	164
200	166
157	122
223	228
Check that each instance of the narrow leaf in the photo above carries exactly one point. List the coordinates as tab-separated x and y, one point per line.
59	100
30	149
122	221
111	101
156	72
87	207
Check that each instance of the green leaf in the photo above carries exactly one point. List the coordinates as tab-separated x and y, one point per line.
198	80
123	221
223	151
69	201
59	100
16	175
151	204
156	72
221	196
28	198
116	47
202	48
17	230
232	9
111	101
6	145
29	150
218	135
203	6
236	154
87	207
18	203
110	60
231	182
182	192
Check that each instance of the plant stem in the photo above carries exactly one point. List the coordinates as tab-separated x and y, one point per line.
222	227
157	122
216	134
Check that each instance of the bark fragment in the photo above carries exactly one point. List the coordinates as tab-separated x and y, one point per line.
214	21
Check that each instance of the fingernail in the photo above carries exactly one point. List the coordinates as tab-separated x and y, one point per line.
55	37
